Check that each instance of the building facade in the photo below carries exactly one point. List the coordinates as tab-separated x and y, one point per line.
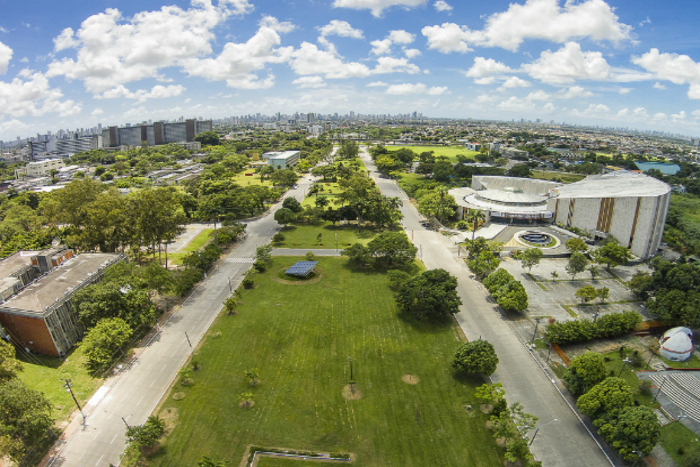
156	133
282	160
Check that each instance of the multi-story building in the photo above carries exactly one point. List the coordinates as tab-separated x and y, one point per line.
282	160
36	292
156	133
39	168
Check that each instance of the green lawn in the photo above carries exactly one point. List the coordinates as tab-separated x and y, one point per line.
281	462
330	191
449	151
245	180
300	337
306	235
44	374
615	365
195	244
675	436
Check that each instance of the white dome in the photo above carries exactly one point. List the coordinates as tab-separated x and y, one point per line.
677	347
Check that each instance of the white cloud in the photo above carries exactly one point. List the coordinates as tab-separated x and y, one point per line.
486	67
273	23
515	82
5	57
309	82
567	65
442	5
625	91
678	69
574	92
658	85
597	110
376	84
376	6
515	104
659	116
238	7
30	95
12	126
485	81
549	107
114	51
65	40
536	19
4	30
383	46
680	116
97	112
24	60
418	88
238	63
696	113
411	53
310	60
538	95
157	92
395	65
340	28
401	37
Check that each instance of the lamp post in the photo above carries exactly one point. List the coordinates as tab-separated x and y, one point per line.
537	323
352	389
549	352
649	361
538	429
595	316
624	362
660	387
69	390
640	455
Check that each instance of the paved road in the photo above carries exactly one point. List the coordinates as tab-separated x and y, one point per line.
135	392
565	442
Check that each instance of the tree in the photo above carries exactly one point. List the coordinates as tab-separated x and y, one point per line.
148	434
512	296
207	461
606	399
357	253
321	202
157	277
475	217
392	249
284	177
484	263
358	189
577	264
253	376
104	340
25	419
593	269
585	371
603	293
530	257
208	138
292	204
112	299
9	365
635	431
432	294
576	245
475	357
262	253
497	279
348	149
520	170
285	216
612	254
586	293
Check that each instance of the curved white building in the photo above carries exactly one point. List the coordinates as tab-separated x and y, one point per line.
677	344
630	206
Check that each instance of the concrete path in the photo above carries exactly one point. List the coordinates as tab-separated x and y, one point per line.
566	442
303	251
136	390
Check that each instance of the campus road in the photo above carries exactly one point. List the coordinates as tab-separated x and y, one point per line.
130	396
565	442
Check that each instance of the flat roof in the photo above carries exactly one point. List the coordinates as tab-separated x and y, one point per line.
280	155
618	184
54	285
15	262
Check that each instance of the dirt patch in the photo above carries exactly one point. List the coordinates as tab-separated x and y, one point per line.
486	408
410	379
169	416
246	404
178	396
353	393
318	276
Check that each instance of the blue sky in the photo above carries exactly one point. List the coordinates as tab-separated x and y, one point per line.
616	63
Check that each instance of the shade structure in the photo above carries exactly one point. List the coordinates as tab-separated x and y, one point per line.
301	268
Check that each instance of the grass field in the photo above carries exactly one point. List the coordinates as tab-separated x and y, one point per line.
245	180
675	436
449	151
330	191
197	242
300	337
280	462
306	236
44	374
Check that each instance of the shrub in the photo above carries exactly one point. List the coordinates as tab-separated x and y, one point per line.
645	387
397	278
248	283
310	256
278	237
186	279
224	238
582	330
259	265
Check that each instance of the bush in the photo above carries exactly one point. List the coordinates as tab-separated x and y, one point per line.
582	330
248	283
186	279
310	256
645	387
475	357
260	265
224	238
397	278
278	237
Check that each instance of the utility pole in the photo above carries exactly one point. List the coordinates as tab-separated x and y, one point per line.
537	323
69	389
188	341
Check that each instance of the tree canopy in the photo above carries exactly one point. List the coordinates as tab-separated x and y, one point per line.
606	399
475	357
104	340
585	371
432	294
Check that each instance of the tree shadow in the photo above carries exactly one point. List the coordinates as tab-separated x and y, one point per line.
426	325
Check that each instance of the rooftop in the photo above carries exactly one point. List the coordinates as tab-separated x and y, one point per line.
54	285
618	184
279	154
15	262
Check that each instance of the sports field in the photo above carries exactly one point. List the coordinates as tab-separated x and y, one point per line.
449	151
408	409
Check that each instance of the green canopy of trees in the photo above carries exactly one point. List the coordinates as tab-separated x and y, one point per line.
475	357
432	294
104	340
585	371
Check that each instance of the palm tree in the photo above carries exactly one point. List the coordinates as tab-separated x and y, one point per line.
322	202
474	216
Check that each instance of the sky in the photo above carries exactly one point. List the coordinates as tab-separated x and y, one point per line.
621	63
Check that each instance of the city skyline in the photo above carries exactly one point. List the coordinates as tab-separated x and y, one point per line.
608	64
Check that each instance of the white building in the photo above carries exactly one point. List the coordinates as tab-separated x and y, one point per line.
39	168
282	160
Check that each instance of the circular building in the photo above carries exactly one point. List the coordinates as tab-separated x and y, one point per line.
677	344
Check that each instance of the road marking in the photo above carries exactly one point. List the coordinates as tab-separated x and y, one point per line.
98	460
139	402
164	367
154	382
115	437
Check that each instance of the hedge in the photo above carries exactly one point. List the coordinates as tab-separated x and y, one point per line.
582	330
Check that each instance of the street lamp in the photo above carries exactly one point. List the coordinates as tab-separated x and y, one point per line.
640	455
68	385
624	362
538	429
537	323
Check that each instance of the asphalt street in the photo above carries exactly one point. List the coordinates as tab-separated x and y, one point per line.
565	442
134	392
